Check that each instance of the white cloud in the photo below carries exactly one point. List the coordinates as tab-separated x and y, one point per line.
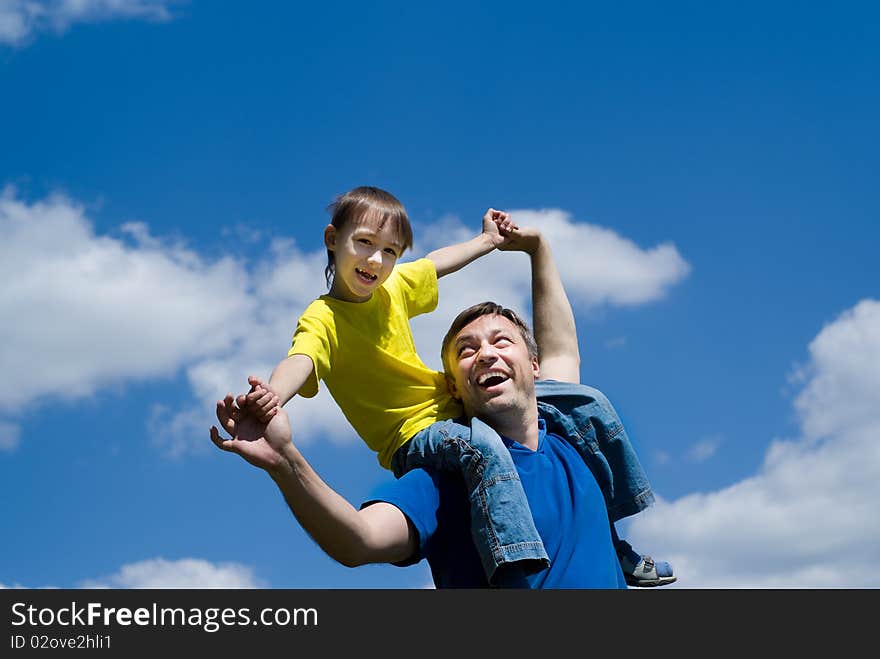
10	436
89	311
808	518
95	311
182	573
704	449
22	19
599	266
845	372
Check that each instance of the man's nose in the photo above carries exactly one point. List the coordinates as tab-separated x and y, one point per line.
487	353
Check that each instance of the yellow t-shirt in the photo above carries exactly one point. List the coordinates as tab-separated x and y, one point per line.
365	354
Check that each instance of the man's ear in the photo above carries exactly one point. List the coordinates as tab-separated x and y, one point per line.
536	368
450	386
330	237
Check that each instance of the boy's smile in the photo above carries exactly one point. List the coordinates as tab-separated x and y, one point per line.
366	276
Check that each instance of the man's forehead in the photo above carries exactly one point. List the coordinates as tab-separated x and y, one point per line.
485	325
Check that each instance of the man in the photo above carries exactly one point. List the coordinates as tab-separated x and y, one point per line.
492	365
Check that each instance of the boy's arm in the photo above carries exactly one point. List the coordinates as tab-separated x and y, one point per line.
286	380
289	376
454	257
379	533
552	317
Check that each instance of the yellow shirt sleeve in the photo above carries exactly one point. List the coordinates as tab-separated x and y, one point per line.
417	281
312	338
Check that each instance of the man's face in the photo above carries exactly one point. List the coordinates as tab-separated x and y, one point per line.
491	371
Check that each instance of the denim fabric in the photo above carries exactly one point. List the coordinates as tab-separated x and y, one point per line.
585	417
501	520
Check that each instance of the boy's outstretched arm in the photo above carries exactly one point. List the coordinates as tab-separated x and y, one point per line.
454	257
289	376
552	316
286	380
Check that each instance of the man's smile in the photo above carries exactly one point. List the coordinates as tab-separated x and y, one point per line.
492	378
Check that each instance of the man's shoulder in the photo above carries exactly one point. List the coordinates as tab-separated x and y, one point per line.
547	389
415	490
422	494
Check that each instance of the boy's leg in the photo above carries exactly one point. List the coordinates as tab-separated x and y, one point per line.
640	571
501	521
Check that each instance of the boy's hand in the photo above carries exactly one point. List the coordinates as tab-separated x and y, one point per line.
260	401
496	226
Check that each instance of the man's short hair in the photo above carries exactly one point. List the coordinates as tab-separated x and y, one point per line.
470	314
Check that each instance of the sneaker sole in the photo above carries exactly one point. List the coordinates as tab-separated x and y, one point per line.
649	583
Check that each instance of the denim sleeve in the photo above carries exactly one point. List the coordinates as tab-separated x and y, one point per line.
417	495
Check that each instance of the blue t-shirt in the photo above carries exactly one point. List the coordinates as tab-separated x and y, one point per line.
566	503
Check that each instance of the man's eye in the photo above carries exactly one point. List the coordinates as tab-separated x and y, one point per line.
502	341
465	351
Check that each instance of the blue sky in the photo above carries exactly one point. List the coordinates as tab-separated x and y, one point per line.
707	176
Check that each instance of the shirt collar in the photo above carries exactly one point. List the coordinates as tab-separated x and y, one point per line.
542	433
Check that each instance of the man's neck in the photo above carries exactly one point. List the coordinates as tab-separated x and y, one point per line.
518	425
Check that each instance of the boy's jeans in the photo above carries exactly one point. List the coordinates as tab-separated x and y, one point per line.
501	521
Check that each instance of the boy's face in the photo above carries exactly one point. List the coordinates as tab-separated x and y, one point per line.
491	370
364	254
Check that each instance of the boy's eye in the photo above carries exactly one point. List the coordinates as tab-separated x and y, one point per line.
364	241
390	251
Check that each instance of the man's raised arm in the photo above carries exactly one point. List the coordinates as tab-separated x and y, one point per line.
552	317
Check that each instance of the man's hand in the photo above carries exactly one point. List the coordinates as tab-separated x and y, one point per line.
525	239
260	443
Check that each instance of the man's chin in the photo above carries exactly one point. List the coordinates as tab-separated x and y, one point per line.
488	405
